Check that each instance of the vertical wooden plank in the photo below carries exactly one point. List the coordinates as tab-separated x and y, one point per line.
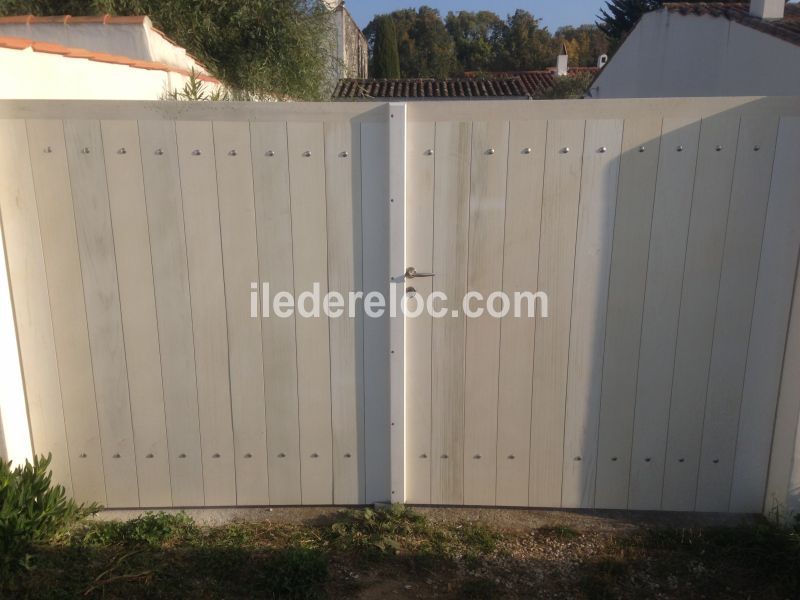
488	171
560	198
67	307
450	247
668	235
28	281
419	253
376	274
632	218
599	178
240	261
270	159
744	231
204	254
343	210
770	319
526	156
783	482
173	309
397	266
701	276
101	291
310	247
137	300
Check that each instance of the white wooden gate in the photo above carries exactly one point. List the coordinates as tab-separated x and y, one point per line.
665	233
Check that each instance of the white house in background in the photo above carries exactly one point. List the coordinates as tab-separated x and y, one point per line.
102	58
708	49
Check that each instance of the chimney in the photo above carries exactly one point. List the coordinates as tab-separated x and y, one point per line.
767	9
562	63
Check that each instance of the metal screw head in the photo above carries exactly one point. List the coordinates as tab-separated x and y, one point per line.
159	152
85	151
429	152
715	461
347	455
614	459
565	150
423	456
577	458
48	150
307	153
602	150
232	153
477	456
83	455
248	455
122	151
641	148
680	460
679	148
181	455
196	152
149	455
270	153
344	154
314	455
490	151
444	455
116	456
718	148
648	459
281	455
511	457
527	150
756	148
215	455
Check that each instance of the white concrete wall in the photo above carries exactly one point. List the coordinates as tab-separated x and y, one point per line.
136	41
28	74
670	55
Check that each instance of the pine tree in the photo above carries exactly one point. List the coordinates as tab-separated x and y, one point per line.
386	58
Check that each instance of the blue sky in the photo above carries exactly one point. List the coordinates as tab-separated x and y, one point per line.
553	13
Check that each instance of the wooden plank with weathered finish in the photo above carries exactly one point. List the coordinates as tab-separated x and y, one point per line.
67	307
737	284
770	319
668	235
270	158
28	282
209	326
637	184
599	178
560	199
101	291
450	229
526	156
420	157
237	218
343	210
310	250
137	300
173	309
487	199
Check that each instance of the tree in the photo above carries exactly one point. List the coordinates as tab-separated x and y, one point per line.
524	45
386	60
260	47
585	43
424	45
476	36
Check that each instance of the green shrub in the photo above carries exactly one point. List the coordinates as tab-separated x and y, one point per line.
150	529
32	511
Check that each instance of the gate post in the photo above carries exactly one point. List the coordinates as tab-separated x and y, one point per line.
397	266
15	437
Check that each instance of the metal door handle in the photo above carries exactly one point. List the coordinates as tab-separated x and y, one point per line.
411	273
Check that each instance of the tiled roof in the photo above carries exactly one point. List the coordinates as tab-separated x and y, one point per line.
90	20
787	28
48	48
512	84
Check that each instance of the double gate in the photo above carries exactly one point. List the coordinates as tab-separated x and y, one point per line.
665	234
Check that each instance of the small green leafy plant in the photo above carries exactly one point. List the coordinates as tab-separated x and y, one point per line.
32	511
149	529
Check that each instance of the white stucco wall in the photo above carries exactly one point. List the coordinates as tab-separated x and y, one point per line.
669	55
36	75
136	40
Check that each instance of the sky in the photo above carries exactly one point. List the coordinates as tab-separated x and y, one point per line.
553	13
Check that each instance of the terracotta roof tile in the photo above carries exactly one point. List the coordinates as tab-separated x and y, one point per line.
48	48
510	84
787	28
